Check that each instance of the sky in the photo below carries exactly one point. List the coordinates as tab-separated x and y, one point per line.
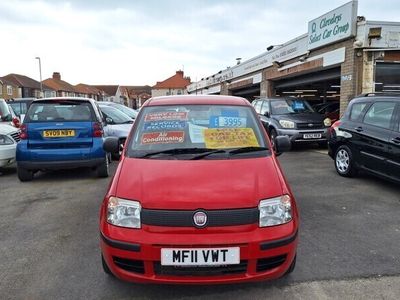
140	42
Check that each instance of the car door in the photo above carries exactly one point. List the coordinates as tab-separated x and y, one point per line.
374	133
394	147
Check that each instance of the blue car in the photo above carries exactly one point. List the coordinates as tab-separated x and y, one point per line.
61	133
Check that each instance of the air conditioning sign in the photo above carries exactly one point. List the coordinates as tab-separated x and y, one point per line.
336	25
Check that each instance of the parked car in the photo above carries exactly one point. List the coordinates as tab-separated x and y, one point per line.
61	133
125	109
292	117
20	106
367	137
7	115
117	124
198	197
9	137
330	110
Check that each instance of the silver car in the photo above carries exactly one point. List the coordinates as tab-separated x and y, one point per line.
117	124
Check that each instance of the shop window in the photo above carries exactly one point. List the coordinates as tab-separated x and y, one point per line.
387	77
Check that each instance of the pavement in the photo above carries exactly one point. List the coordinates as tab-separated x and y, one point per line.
348	249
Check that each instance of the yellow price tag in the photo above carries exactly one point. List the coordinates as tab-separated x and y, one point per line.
230	138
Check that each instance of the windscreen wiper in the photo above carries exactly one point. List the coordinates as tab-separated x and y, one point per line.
178	151
200	156
247	149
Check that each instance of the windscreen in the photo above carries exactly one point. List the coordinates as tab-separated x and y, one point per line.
5	113
126	110
290	106
196	127
116	116
67	111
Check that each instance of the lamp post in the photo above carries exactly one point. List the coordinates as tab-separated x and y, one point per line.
40	73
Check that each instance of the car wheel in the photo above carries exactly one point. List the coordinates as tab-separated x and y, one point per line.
344	162
272	135
24	174
106	269
103	169
116	156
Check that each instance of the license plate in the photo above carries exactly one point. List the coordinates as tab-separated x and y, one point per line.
58	133
200	256
312	136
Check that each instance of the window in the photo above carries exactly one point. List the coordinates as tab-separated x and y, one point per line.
380	114
59	111
9	90
195	126
257	106
265	107
356	110
387	77
179	92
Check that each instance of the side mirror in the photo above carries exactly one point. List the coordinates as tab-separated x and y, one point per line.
109	120
267	114
282	144
111	145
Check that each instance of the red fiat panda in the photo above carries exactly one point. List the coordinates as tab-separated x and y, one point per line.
198	197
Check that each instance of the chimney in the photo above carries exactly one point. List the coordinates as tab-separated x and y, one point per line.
57	75
179	73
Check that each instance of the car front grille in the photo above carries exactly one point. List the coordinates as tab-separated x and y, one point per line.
201	270
310	126
15	136
184	218
265	264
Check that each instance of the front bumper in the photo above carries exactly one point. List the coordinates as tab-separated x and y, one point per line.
7	154
297	135
135	255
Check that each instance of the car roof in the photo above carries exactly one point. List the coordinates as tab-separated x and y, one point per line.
197	99
80	99
21	99
376	97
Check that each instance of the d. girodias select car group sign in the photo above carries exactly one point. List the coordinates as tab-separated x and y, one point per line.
333	26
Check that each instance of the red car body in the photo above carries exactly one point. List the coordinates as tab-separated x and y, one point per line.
230	185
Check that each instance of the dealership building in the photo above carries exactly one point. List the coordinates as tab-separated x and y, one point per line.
341	55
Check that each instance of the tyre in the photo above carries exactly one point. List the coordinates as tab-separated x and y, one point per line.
106	269
24	174
272	135
344	163
103	169
117	155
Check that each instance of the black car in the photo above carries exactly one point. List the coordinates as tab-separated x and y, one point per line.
368	137
20	106
292	117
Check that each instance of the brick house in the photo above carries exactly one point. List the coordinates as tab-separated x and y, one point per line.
88	91
28	87
175	85
62	88
8	89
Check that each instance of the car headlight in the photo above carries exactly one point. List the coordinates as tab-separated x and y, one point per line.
124	213
327	122
286	124
275	211
5	140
